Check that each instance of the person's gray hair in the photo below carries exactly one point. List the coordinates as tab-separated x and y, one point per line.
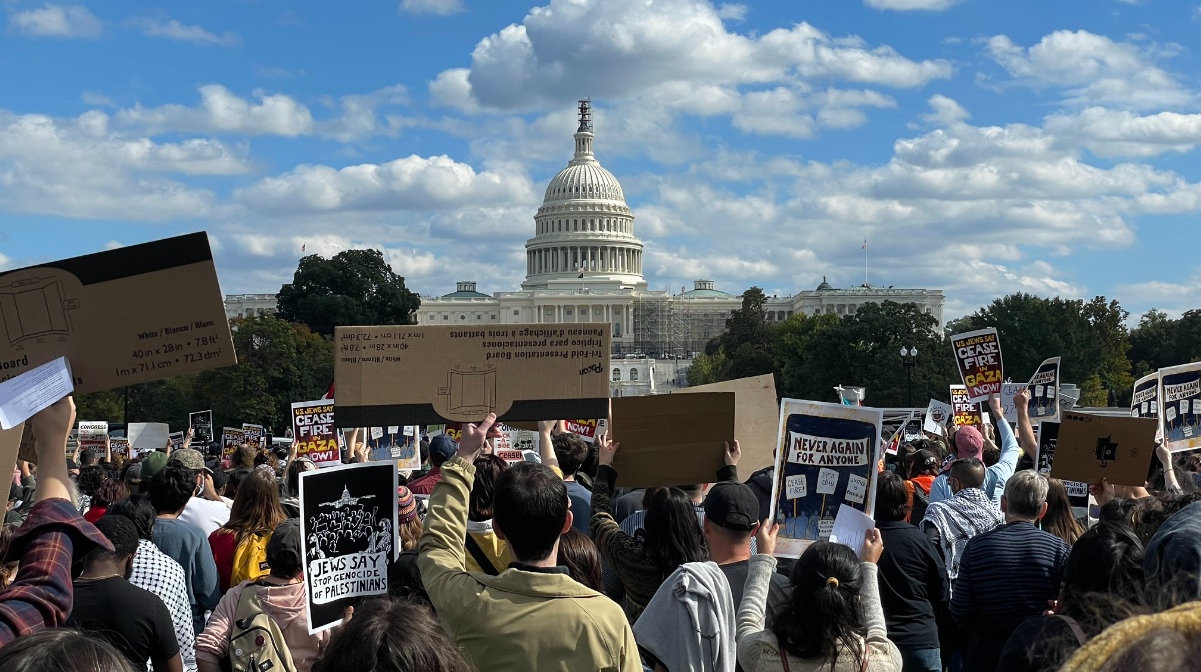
1025	494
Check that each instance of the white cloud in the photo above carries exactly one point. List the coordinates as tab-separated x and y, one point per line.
439	7
945	111
1092	69
412	183
98	99
174	30
57	21
1119	133
80	168
224	112
732	11
553	55
910	5
358	118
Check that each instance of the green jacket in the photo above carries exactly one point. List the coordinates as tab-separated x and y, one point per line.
518	620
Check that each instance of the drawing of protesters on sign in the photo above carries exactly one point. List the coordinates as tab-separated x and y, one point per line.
348	517
1044	392
1144	403
1180	389
826	456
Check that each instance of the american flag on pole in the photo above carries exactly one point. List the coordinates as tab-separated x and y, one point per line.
865	243
302	247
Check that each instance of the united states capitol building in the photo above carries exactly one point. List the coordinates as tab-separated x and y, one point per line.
584	264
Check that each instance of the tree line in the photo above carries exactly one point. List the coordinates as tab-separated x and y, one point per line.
811	354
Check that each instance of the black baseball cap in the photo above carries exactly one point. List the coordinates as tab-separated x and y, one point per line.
283	550
733	506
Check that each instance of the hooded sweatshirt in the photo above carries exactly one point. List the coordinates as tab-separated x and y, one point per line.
1173	557
689	623
284	604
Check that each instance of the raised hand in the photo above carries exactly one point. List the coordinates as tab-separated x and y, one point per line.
607	449
733	453
471	444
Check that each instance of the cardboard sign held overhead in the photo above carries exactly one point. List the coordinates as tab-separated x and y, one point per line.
130	315
756	416
147	437
316	437
1092	447
1144	402
437	374
937	414
1180	390
966	412
670	439
1044	392
979	356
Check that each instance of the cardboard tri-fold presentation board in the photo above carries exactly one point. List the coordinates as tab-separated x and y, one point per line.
129	315
429	375
1091	447
670	439
757	416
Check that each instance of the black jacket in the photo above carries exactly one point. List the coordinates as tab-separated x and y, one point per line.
913	586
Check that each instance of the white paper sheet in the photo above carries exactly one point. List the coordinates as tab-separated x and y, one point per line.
24	395
850	528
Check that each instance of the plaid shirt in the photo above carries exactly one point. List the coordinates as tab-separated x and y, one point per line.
41	595
160	574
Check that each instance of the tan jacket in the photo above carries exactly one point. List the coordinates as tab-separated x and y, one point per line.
518	620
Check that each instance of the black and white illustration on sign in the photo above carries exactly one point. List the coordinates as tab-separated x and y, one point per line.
348	521
35	308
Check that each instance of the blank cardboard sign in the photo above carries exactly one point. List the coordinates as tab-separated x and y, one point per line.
756	418
671	439
1092	447
432	375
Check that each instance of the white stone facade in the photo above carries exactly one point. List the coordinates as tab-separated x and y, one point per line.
249	305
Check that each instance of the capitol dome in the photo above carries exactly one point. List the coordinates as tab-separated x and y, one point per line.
584	230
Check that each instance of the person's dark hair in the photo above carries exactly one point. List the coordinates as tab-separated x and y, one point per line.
1160	650
87	457
991	455
62	650
578	554
693	490
139	510
969	472
1118	511
1151	512
1059	519
171	488
648	494
571	451
824	617
488	469
110	491
892	500
530	509
8	571
90	479
1103	580
392	635
220	480
292	475
671	531
121	532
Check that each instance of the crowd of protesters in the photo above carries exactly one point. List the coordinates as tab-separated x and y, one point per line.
977	563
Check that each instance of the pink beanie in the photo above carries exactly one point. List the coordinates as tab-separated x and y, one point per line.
969	442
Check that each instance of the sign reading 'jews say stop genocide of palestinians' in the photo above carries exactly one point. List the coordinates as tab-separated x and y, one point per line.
348	526
826	456
1180	417
443	374
979	356
316	437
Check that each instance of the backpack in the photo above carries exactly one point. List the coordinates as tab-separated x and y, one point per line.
919	502
250	558
257	643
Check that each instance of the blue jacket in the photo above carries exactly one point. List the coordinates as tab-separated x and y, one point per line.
995	476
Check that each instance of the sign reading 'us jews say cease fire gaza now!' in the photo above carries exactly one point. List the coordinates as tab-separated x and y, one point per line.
979	356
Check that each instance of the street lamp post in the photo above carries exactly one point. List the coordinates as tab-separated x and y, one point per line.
909	356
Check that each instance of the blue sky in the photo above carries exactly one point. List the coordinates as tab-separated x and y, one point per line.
982	147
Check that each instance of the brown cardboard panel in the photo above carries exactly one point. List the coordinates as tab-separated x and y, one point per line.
1092	447
429	375
130	315
756	418
672	439
10	443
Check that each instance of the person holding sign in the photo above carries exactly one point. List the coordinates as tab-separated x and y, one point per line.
532	616
968	442
833	620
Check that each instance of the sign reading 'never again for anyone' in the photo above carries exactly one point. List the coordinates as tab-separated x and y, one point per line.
435	375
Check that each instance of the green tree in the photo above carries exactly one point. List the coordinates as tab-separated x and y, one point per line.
1153	343
746	342
355	287
708	368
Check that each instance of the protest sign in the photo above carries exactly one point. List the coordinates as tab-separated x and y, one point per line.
232	439
146	437
176	439
460	374
254	433
672	438
978	354
586	429
376	433
125	316
1144	402
834	449
1091	447
1044	393
1048	433
120	447
965	411
1008	392
10	445
850	528
314	432
201	423
756	417
409	430
1180	401
937	414
91	435
349	537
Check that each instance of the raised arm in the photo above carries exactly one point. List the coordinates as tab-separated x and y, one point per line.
751	618
1029	444
1010	452
546	444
